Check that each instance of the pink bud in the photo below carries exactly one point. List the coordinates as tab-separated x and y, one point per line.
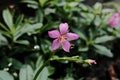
90	61
114	21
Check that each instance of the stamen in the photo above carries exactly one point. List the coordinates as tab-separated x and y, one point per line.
62	39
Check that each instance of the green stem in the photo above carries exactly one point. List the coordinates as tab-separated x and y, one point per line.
41	68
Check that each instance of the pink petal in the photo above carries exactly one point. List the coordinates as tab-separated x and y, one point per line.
114	20
63	28
66	46
55	44
72	36
116	15
54	34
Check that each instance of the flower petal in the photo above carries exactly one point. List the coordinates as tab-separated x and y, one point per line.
55	44
54	34
63	28
72	36
114	21
66	46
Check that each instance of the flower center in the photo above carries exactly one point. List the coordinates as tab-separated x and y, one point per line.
62	38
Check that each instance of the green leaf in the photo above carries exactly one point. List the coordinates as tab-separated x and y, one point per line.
26	73
19	20
3	40
51	70
49	10
88	16
83	7
97	21
98	7
42	2
24	42
39	16
16	64
103	50
105	19
4	27
83	48
39	62
5	76
31	3
44	74
5	33
32	28
104	39
80	33
73	4
45	46
8	18
108	10
27	29
34	6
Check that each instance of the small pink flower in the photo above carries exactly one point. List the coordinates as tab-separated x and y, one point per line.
114	20
62	37
90	61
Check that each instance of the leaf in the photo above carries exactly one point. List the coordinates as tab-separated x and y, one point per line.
83	7
24	42
27	29
45	46
105	19
97	21
26	73
5	76
49	10
80	33
115	4
32	28
39	16
108	10
73	4
103	50
42	2
5	33
3	40
51	70
16	64
104	39
19	20
39	62
31	3
88	16
83	48
98	7
7	18
34	6
4	27
44	74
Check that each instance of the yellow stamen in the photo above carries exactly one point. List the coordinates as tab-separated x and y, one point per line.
62	39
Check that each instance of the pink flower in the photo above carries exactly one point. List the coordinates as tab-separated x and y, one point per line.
114	20
62	37
90	61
